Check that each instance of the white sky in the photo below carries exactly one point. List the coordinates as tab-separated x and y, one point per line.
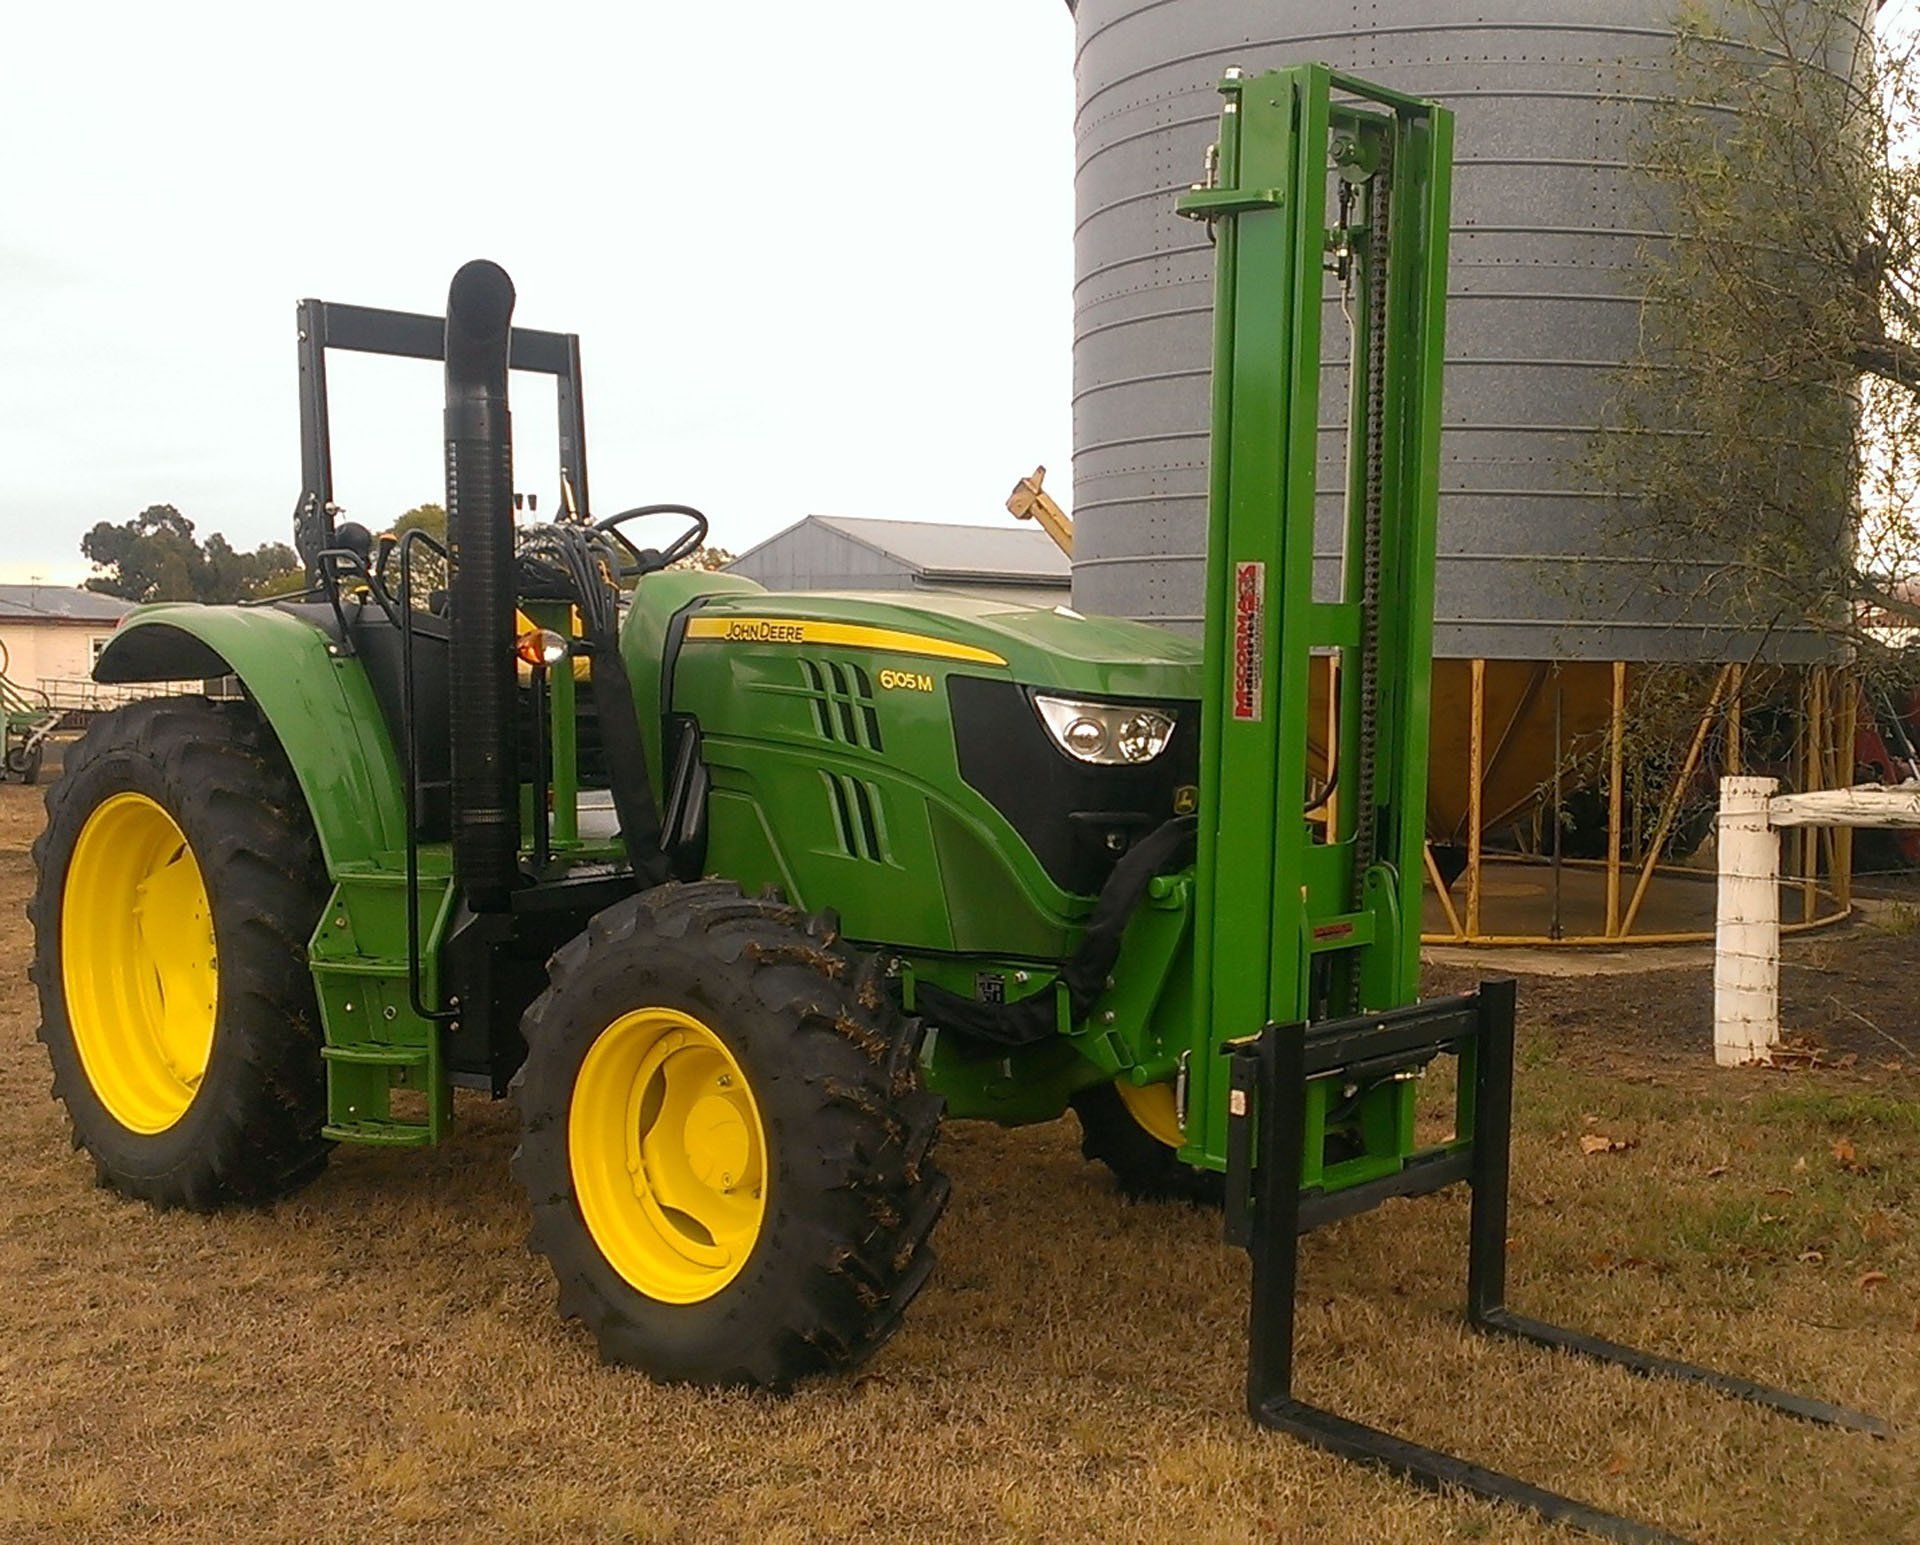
819	256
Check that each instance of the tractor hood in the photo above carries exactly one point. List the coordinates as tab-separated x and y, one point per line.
1035	646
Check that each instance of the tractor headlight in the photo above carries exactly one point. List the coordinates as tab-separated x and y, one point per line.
1106	734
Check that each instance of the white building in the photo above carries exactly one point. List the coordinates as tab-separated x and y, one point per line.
50	635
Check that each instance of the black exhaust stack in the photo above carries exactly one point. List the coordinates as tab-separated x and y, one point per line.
486	808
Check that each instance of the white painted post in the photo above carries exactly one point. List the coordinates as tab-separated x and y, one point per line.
1746	958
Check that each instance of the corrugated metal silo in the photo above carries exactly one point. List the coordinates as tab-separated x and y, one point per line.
1550	228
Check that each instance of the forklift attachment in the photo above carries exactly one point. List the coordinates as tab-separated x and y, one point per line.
1268	1211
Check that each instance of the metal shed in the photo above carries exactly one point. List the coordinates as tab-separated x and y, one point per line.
834	552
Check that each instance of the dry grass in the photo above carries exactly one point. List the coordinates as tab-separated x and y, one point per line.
379	1359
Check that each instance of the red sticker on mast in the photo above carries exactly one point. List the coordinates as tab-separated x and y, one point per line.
1249	638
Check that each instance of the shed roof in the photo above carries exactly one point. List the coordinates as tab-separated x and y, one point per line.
935	550
59	603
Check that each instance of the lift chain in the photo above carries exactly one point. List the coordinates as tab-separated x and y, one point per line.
1366	820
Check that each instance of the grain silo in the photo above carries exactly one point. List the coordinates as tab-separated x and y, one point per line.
1542	619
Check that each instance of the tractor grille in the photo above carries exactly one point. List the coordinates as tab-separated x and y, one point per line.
1078	819
858	817
842	697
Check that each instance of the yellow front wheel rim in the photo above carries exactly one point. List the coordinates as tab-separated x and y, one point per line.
1154	1107
138	962
668	1155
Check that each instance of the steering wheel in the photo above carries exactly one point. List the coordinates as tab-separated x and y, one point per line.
650	560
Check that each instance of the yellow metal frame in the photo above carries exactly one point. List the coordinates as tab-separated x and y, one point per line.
1822	759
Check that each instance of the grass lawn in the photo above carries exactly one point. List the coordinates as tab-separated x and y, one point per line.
379	1358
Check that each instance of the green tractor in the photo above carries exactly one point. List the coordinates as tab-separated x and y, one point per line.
738	895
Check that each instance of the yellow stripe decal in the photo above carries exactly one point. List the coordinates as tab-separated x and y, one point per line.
847	635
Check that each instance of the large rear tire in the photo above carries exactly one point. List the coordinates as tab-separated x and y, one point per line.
725	1140
179	882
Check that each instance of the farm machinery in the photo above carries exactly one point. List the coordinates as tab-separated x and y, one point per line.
27	718
738	895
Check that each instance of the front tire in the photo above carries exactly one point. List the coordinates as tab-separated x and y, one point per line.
1135	1141
725	1140
179	882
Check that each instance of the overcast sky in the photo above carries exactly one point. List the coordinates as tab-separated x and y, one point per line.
819	256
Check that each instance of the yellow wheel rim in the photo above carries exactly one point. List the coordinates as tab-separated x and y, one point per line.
668	1154
138	962
1154	1107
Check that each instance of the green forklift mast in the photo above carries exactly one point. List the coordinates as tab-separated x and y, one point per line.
1324	189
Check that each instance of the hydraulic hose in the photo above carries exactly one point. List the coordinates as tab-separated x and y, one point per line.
486	813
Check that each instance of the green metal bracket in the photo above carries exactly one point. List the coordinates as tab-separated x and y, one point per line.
1212	203
375	1043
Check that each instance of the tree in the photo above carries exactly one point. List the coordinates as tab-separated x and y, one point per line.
708	558
427	569
155	557
1770	421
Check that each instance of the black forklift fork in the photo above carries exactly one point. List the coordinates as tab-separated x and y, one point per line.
1267	1213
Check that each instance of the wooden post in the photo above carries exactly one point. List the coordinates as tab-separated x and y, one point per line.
1746	936
1476	751
1816	697
1616	795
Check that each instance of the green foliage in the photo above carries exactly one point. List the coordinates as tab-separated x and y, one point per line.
1736	434
430	518
429	569
708	559
156	557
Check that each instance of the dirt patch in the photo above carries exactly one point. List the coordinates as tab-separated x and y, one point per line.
378	1358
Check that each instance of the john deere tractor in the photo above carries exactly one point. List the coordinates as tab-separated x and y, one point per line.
738	895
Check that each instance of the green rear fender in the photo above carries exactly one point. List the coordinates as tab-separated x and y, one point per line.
319	704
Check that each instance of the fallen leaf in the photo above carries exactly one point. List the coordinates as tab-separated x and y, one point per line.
1772	1217
1717	1171
1593	1142
1871	1280
1811	1257
1800	1165
1778	1191
1843	1150
1618	1464
1878	1227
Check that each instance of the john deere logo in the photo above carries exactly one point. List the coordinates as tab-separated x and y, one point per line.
906	681
1186	799
757	632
